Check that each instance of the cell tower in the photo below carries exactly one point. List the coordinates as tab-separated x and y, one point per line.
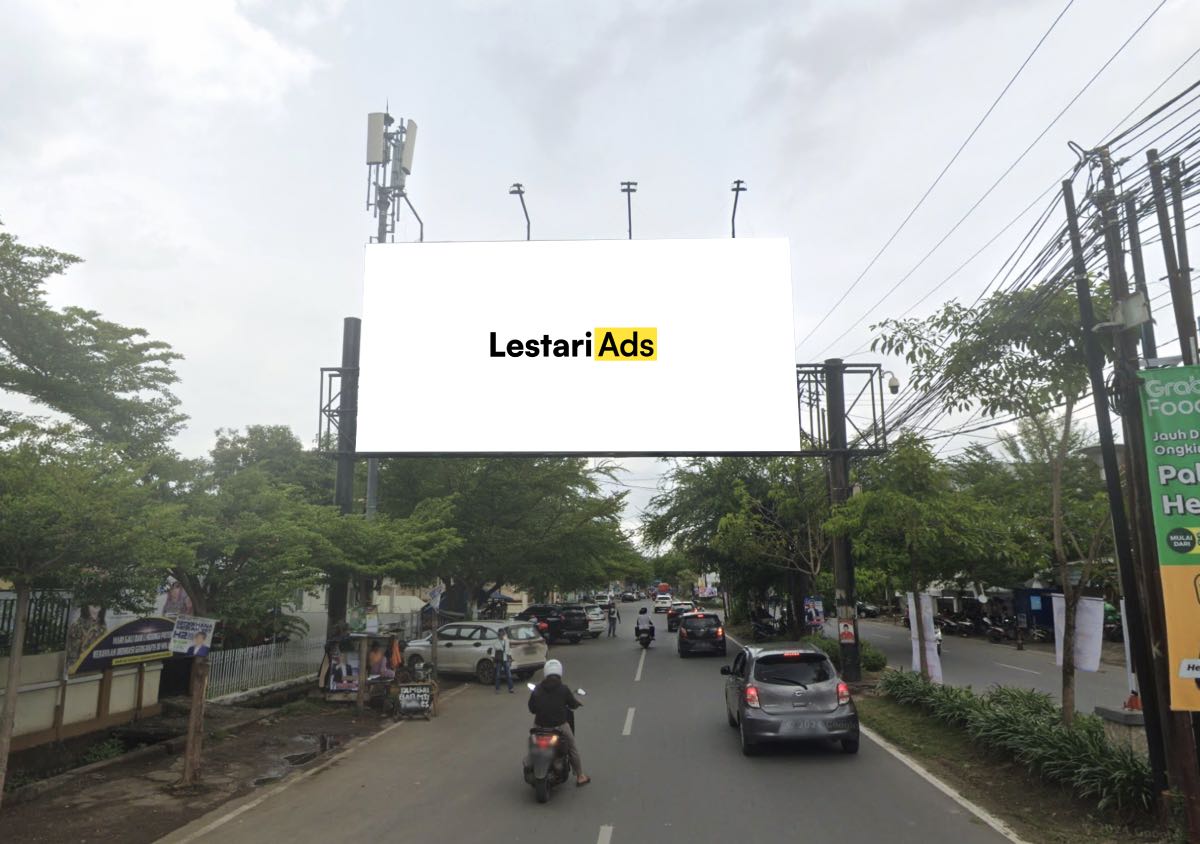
389	163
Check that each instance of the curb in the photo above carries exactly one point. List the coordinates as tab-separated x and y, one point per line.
169	747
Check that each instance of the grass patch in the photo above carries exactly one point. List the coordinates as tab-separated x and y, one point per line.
1040	812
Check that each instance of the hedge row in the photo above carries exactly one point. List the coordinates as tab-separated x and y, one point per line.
870	657
1025	725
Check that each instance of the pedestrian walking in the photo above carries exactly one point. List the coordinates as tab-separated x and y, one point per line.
614	618
503	657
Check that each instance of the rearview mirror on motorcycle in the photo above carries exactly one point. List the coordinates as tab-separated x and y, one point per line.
581	692
725	669
530	686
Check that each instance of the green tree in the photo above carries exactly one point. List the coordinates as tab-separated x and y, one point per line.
112	381
910	522
79	519
1020	353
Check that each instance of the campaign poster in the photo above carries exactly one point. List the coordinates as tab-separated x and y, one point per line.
342	670
1171	412
192	636
814	612
140	640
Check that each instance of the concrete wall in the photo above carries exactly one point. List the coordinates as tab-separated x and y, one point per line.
89	702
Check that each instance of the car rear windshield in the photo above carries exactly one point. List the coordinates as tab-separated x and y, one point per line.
793	669
701	622
523	632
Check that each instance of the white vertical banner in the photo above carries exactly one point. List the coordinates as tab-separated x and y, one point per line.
932	660
1130	676
1089	631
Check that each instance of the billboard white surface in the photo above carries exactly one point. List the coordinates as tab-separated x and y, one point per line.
671	347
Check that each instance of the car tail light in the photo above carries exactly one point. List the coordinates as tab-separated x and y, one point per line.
843	694
720	632
752	697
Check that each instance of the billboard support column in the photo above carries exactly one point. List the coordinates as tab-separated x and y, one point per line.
347	443
839	491
195	727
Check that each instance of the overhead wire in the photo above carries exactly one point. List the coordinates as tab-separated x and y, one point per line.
937	180
986	193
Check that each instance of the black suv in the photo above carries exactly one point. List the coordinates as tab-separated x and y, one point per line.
700	632
568	623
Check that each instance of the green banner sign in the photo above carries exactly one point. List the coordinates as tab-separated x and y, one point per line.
1171	413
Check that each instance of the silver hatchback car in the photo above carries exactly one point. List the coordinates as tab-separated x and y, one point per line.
788	693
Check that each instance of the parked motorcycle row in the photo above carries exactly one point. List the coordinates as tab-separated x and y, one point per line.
995	629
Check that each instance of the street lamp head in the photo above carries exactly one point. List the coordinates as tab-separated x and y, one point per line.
517	189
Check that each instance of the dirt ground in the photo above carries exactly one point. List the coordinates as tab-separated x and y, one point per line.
134	802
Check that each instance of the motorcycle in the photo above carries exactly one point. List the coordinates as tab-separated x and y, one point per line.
546	764
645	637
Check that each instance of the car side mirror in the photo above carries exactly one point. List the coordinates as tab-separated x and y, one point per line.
725	670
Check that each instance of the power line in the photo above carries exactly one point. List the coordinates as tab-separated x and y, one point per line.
937	180
989	191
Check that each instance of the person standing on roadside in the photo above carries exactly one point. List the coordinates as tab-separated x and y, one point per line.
502	654
614	618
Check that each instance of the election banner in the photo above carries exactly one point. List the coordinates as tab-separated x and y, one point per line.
1089	631
192	636
1171	412
933	660
140	640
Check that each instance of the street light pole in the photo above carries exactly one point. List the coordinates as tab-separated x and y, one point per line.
629	189
839	492
519	190
738	187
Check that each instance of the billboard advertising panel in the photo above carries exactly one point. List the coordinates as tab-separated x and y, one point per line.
578	347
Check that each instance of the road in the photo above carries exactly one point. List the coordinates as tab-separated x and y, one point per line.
974	661
665	767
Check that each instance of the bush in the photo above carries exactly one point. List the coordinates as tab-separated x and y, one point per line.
1025	725
871	657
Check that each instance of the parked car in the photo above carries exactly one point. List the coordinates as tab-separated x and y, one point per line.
597	620
575	623
788	693
676	611
662	603
866	610
559	625
466	647
700	632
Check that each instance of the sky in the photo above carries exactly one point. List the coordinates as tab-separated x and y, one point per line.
207	159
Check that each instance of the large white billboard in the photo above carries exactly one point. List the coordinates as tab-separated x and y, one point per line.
599	347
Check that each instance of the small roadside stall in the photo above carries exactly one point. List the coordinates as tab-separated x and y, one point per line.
368	668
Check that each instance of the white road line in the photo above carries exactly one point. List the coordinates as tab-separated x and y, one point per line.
628	722
605	836
978	811
1017	668
642	661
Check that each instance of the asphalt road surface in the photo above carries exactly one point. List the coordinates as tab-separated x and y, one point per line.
665	765
976	662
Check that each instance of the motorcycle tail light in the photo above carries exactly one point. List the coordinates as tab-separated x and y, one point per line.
546	741
752	697
843	694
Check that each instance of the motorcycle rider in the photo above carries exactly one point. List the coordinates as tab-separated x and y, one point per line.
550	702
644	622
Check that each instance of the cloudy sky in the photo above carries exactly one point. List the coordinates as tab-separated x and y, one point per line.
206	159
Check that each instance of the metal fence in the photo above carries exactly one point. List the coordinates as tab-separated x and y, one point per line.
47	630
243	669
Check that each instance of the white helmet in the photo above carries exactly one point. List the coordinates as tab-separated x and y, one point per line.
553	668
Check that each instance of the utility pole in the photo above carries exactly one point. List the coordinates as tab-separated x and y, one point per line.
629	189
738	187
347	443
1154	709
519	191
1181	296
1149	344
839	492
